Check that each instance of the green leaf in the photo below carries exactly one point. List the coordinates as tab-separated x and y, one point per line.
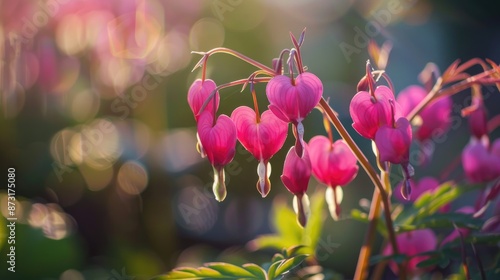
359	215
436	260
285	221
446	220
279	268
217	270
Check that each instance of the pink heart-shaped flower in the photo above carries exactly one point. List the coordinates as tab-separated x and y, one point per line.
218	140
296	172
333	164
262	139
292	102
480	163
369	113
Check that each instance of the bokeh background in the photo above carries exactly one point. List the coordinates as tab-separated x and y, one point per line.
95	121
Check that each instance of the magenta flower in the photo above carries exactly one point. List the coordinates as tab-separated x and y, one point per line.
295	177
371	112
219	141
292	100
435	117
411	244
481	161
262	137
393	143
334	165
197	95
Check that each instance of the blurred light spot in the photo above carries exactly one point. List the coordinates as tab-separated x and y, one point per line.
28	74
206	34
71	274
239	15
70	34
95	35
177	150
172	54
83	105
97	144
50	218
132	177
96	180
195	209
120	73
59	146
13	100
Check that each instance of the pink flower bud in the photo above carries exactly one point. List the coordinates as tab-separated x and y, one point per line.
198	93
296	172
478	121
424	185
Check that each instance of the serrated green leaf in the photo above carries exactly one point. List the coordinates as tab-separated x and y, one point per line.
293	251
270	241
446	220
286	265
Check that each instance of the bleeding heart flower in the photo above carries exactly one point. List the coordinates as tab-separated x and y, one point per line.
371	112
481	163
292	100
411	244
262	138
334	165
219	141
435	117
295	177
393	143
197	95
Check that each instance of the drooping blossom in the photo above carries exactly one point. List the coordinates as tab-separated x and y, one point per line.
424	185
481	160
334	165
219	142
393	142
292	100
262	137
411	244
370	112
435	117
296	174
198	94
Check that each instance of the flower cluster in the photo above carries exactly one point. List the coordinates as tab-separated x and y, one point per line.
292	97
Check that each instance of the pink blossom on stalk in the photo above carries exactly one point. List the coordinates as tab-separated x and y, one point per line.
334	165
411	244
481	161
219	142
262	138
296	174
292	100
435	117
198	93
370	112
478	120
393	143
